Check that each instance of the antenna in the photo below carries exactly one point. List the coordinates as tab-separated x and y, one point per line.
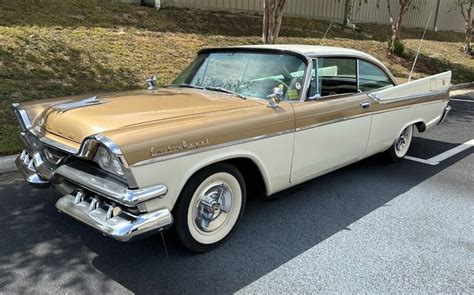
327	31
419	47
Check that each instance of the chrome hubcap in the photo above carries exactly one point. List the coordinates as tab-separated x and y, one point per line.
213	207
402	140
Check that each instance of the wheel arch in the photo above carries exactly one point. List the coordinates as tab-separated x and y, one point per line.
247	163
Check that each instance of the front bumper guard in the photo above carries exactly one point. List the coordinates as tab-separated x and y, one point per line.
110	220
26	166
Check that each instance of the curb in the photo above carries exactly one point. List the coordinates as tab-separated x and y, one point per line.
462	86
7	163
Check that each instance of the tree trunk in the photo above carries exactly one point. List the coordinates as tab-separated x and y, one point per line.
397	28
272	16
468	20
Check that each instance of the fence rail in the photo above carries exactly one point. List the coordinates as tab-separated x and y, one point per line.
370	11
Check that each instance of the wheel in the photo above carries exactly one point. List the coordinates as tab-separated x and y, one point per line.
400	147
209	207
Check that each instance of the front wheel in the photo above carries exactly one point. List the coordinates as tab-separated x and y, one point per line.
401	145
209	207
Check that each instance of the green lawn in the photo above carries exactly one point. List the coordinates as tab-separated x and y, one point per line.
56	48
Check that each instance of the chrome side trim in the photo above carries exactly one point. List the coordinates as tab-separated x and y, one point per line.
401	98
210	148
123	226
111	189
22	116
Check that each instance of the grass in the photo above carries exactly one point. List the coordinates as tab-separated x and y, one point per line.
56	48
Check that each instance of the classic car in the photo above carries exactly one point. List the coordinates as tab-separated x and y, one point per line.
237	122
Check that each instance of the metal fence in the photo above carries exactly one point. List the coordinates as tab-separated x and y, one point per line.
445	16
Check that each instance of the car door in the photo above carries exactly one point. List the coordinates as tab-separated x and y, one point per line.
333	124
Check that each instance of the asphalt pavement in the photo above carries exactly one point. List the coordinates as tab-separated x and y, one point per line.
369	227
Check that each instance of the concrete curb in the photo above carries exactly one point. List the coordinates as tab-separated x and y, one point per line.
462	86
7	164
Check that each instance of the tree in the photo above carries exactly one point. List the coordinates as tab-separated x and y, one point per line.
466	8
395	44
272	16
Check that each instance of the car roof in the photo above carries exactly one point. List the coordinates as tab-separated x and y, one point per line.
313	50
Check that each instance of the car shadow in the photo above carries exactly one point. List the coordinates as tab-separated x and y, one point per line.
40	241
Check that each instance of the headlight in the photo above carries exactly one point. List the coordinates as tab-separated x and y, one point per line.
108	161
104	157
117	166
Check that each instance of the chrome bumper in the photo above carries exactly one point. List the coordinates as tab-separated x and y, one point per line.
111	189
444	115
112	221
99	201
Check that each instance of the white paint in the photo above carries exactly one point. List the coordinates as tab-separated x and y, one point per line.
443	156
272	155
321	148
463	100
436	83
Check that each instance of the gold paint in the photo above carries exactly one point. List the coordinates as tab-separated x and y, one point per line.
155	152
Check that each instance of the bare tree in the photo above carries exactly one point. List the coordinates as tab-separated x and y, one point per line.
395	44
272	16
466	8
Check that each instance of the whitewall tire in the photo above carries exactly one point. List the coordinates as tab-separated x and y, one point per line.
401	145
209	207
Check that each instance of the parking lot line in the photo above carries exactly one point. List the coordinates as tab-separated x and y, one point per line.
463	100
443	156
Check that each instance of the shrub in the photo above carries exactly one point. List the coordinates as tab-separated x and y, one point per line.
396	47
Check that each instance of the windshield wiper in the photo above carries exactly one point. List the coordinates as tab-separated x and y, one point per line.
220	89
185	86
212	88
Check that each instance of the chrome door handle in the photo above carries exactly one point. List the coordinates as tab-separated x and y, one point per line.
365	104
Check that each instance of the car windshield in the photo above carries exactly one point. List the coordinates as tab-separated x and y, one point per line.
245	74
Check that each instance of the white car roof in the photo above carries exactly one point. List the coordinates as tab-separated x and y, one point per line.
314	50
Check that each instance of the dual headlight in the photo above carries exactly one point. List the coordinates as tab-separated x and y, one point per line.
109	162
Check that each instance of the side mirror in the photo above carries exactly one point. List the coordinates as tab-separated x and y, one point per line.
275	97
151	82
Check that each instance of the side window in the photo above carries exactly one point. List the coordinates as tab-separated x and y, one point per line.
372	77
337	75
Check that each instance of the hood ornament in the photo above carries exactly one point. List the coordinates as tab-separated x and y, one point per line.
151	82
67	106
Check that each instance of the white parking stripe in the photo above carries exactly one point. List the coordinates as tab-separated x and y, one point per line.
463	100
443	156
428	162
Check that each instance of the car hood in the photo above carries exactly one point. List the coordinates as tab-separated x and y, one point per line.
76	119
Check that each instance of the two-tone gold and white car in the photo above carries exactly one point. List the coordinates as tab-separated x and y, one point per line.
236	122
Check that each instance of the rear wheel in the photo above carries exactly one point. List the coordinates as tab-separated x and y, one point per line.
209	207
400	147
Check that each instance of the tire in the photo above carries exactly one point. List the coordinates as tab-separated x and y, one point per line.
209	207
401	145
